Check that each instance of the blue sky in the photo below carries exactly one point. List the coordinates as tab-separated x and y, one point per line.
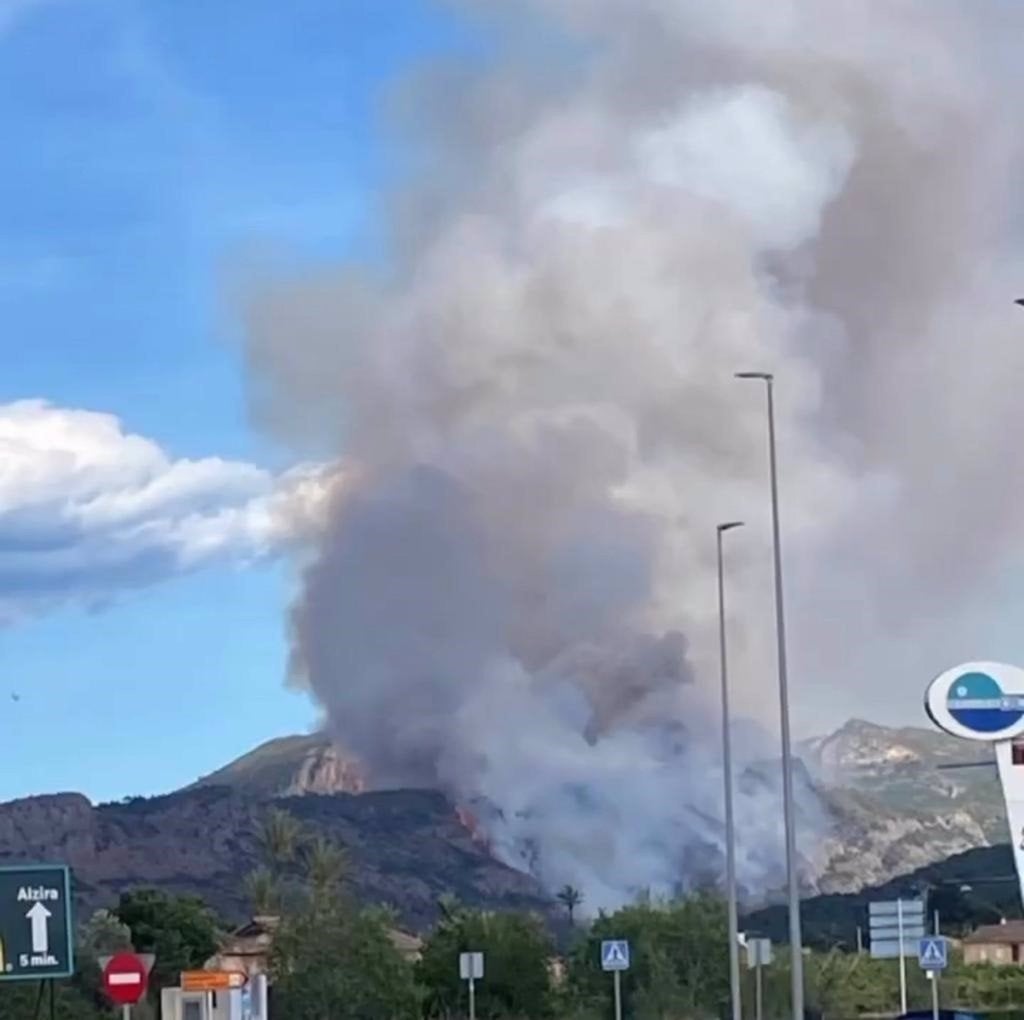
149	148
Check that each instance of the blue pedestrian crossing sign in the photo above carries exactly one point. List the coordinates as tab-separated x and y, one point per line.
932	953
615	954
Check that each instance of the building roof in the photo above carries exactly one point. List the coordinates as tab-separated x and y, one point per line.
1011	932
258	926
404	942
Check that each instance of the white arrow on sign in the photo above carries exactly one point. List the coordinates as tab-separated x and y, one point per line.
40	918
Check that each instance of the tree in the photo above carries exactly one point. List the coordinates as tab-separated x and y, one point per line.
325	866
679	965
570	897
181	931
449	906
18	1002
263	892
331	961
517	950
280	837
103	934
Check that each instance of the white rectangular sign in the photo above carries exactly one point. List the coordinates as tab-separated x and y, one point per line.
471	966
759	952
888	921
886	911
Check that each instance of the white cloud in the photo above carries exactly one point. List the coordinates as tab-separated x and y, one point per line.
88	509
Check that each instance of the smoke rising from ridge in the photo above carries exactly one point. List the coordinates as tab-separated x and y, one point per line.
536	408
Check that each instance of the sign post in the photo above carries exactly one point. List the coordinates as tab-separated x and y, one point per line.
35	923
759	954
615	958
895	927
471	970
933	956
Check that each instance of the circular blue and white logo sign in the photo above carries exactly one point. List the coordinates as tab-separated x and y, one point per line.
978	701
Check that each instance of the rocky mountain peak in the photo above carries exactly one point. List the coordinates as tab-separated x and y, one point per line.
292	767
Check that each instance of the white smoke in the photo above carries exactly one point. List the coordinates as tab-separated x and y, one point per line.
541	425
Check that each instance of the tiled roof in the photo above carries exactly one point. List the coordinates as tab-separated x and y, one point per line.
1010	932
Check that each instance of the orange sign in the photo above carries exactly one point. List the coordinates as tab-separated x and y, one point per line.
211	980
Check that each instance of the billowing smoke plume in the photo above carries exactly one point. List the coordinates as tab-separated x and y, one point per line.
536	410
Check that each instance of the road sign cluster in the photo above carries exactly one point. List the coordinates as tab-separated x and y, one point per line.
891	921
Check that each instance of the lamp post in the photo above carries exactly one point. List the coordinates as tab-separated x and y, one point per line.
793	879
730	827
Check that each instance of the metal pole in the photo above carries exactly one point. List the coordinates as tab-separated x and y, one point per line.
937	932
126	1013
793	878
617	979
758	991
860	941
472	998
935	994
39	1000
53	1000
903	959
730	827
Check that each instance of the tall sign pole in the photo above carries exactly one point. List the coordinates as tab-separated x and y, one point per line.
759	954
615	958
903	956
788	803
892	926
933	956
730	824
471	969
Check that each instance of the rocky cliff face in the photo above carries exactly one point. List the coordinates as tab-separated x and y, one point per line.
290	767
406	848
896	804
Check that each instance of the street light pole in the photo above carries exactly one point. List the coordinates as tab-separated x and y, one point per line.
792	876
730	827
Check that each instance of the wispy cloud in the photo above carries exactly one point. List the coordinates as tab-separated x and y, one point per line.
88	509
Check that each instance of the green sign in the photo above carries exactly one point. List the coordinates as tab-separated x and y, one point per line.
35	923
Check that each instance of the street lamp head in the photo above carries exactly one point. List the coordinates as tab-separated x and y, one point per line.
1019	301
729	525
764	376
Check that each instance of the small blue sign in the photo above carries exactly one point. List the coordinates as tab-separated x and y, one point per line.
615	954
933	953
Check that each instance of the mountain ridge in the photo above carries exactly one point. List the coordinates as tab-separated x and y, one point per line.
888	810
406	848
889	805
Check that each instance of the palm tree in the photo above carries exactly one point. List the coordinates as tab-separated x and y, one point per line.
326	864
570	897
279	838
449	906
261	888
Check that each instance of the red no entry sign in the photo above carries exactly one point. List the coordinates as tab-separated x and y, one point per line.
124	979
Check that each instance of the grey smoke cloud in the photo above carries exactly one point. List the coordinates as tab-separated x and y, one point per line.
515	596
